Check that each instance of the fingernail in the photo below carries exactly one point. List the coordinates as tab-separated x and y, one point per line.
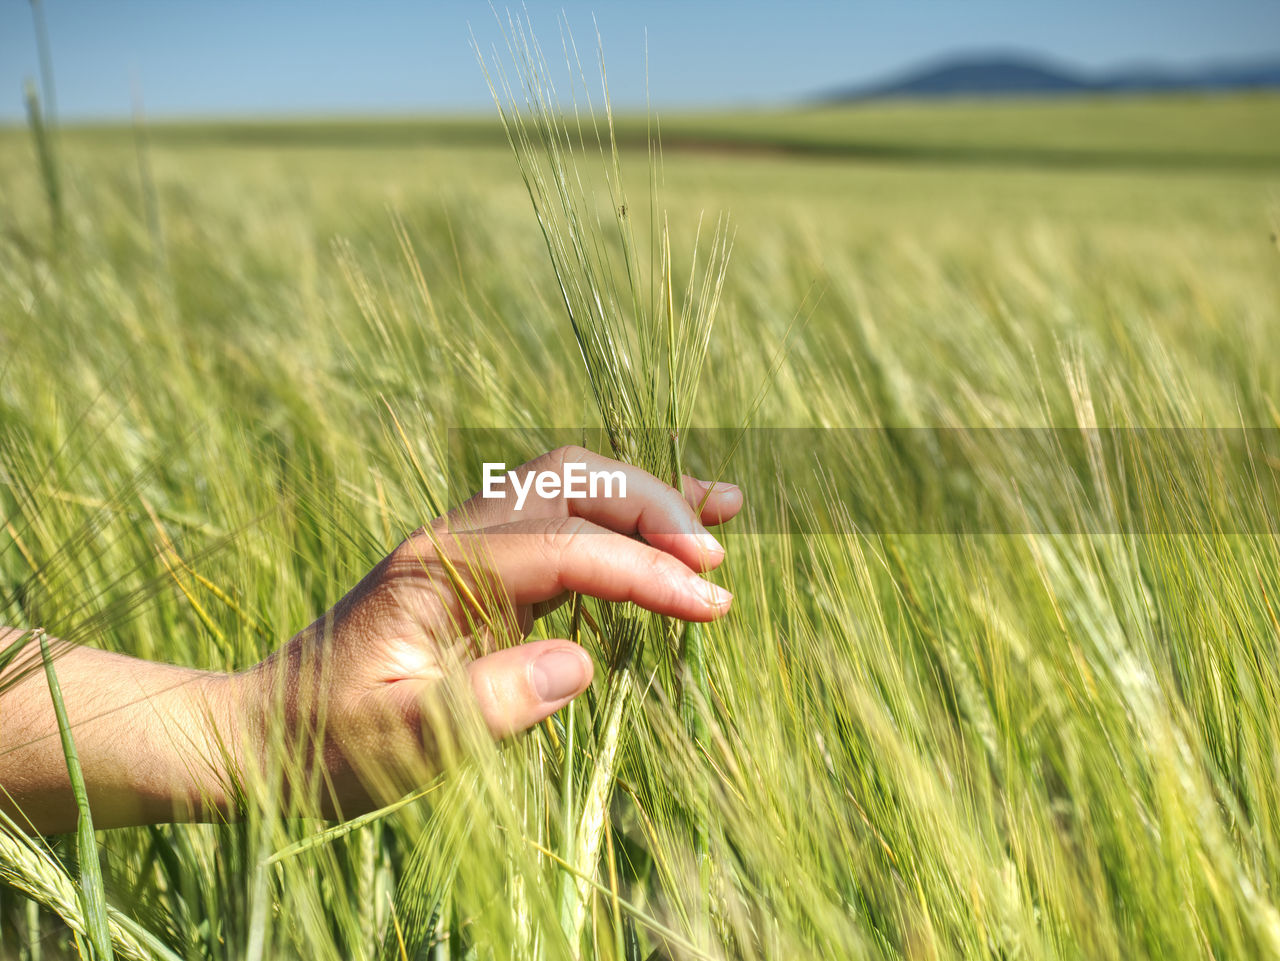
558	674
716	596
724	487
708	543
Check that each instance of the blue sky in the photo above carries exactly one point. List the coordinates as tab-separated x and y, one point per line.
254	57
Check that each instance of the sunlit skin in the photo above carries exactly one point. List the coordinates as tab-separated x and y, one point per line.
453	601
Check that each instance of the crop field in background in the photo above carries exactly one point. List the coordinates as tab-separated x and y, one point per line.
226	390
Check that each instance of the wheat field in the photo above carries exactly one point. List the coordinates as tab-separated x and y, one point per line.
1037	723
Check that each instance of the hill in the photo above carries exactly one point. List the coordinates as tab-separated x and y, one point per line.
1013	75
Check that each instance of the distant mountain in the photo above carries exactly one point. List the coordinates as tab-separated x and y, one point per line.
1026	75
1239	76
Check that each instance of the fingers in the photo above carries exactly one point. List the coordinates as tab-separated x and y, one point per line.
517	687
538	561
616	496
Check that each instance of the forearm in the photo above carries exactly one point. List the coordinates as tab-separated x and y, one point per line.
152	739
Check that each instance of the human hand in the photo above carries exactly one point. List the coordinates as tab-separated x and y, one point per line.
458	596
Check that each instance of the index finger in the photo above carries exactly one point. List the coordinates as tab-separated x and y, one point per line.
535	562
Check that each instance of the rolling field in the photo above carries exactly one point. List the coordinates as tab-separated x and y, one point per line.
1044	726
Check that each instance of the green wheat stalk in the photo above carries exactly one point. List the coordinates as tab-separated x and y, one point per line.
91	894
643	350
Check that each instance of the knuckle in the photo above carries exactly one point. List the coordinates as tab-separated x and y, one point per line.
666	576
415	552
567	453
565	532
575	538
662	568
676	502
408	551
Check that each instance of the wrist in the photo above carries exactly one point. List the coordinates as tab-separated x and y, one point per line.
217	708
269	748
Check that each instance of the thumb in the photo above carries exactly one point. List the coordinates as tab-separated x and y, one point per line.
517	687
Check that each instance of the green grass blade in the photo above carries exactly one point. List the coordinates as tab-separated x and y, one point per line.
91	893
329	835
14	649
